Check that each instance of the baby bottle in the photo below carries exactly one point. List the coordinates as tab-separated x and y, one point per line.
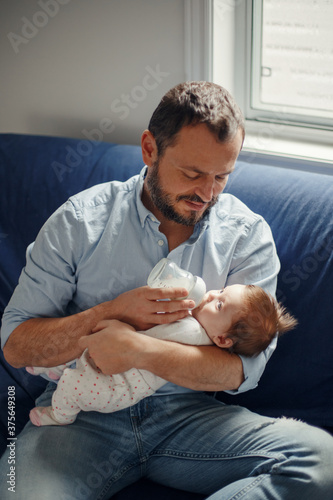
167	274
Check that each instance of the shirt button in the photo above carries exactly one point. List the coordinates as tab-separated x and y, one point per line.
160	242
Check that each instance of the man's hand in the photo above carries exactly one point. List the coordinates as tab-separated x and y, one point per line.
145	307
113	346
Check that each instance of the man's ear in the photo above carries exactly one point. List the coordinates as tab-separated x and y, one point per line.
223	341
149	148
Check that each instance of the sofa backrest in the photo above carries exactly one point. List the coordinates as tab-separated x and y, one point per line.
37	175
298	205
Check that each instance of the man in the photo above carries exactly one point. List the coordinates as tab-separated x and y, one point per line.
88	267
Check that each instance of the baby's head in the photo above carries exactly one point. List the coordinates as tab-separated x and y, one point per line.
243	318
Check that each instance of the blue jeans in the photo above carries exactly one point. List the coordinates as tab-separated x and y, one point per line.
189	441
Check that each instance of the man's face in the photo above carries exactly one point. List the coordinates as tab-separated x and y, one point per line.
167	203
186	182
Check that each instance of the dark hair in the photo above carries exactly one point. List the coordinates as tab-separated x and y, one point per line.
261	319
193	103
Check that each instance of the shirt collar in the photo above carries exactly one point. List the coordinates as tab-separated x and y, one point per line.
142	210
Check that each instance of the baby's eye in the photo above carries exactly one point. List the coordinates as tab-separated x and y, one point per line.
219	305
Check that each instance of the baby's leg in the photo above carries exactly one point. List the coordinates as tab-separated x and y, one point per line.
91	390
128	388
83	388
63	410
66	400
86	388
43	415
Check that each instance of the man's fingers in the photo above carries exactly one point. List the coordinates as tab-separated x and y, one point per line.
168	299
83	342
100	325
172	306
166	293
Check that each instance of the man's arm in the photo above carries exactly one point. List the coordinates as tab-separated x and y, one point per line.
54	341
205	368
115	348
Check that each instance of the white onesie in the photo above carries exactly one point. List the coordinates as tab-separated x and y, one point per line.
87	388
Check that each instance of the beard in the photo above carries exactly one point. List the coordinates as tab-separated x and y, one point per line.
163	201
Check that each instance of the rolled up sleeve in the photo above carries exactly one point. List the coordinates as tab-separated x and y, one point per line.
255	262
47	282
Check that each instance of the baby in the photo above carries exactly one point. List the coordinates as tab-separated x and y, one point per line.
241	318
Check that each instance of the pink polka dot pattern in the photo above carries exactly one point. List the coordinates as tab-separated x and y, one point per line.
84	388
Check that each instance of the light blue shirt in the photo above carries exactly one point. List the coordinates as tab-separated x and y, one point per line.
103	242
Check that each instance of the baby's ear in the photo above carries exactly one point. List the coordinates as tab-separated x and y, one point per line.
223	341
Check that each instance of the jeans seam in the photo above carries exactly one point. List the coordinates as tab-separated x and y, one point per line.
137	436
216	456
248	488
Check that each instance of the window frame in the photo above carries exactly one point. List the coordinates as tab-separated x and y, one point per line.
275	138
253	108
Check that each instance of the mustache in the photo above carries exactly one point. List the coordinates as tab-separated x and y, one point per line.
196	198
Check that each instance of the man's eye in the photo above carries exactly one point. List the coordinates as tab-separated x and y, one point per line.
192	178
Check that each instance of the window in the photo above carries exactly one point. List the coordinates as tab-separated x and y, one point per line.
276	58
291	61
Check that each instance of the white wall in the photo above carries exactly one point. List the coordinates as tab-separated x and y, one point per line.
224	44
74	65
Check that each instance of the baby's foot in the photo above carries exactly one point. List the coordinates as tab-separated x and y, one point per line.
54	374
43	415
33	370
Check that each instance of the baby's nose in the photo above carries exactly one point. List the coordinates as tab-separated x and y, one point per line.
212	295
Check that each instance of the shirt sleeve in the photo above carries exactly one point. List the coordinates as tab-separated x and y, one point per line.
255	262
255	259
47	282
253	368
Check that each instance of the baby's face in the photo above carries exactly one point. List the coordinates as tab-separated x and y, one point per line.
219	308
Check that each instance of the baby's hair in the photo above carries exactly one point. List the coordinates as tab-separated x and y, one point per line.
261	319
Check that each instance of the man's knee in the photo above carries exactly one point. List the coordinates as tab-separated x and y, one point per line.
308	454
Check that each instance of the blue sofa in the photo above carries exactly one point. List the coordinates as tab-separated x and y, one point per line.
38	173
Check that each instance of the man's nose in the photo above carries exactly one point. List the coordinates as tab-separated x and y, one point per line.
206	190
